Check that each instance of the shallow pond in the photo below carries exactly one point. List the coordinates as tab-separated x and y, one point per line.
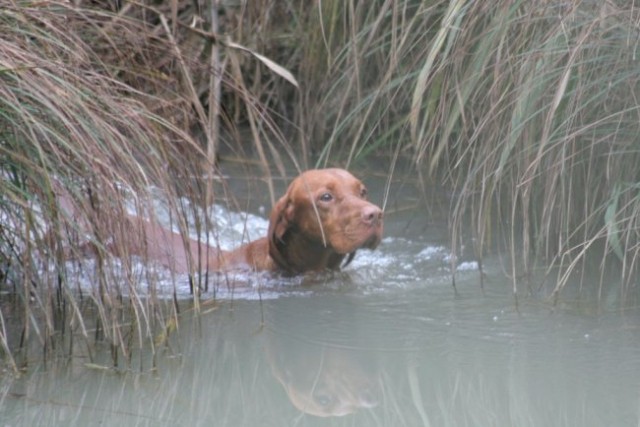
386	343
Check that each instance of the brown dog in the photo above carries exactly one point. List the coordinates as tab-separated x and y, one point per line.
323	218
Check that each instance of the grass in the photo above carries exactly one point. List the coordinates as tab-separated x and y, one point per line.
75	135
550	153
527	110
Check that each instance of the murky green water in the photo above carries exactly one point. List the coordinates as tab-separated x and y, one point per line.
388	344
417	356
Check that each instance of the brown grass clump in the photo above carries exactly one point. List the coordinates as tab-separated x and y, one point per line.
99	108
75	140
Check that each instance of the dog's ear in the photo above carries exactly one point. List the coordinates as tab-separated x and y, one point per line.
281	217
279	222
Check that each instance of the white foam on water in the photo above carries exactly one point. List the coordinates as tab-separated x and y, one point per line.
396	263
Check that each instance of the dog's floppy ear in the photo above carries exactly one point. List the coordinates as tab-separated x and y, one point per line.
281	217
279	223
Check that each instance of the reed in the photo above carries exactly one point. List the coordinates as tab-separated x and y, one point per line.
553	147
527	109
99	109
76	143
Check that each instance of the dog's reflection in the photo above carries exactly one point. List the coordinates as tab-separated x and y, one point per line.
323	380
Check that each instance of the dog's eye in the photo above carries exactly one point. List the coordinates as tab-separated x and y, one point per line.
326	197
323	399
363	193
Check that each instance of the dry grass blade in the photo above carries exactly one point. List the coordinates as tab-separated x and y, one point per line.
273	66
447	29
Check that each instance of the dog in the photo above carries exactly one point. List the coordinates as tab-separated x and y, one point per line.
319	224
323	218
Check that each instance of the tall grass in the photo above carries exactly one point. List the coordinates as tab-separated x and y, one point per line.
543	116
99	108
75	142
527	109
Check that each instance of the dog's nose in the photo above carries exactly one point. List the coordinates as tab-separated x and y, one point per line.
371	214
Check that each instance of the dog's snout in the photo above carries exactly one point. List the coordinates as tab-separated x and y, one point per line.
371	214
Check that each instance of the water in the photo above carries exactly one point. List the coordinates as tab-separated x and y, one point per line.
387	343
